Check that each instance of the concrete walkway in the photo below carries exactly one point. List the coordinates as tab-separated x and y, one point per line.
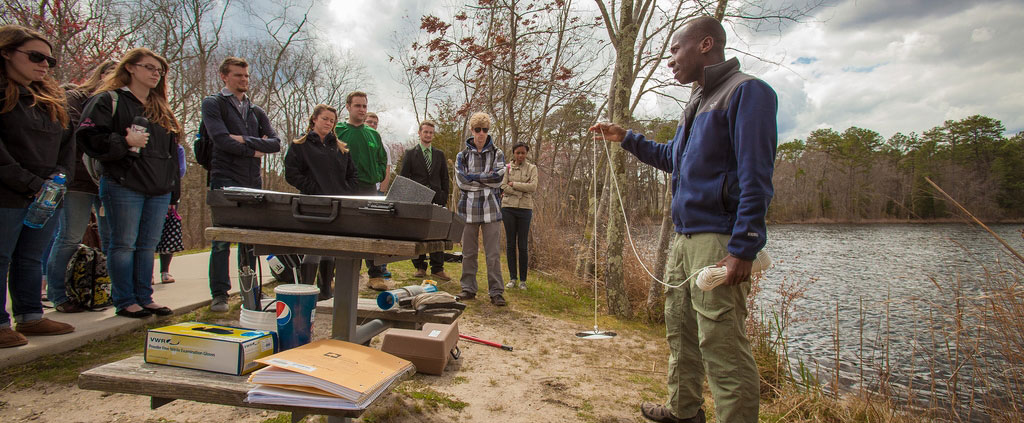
190	291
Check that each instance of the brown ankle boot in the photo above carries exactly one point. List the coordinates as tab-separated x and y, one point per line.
43	327
10	338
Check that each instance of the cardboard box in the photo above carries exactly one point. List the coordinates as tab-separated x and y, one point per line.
428	348
203	346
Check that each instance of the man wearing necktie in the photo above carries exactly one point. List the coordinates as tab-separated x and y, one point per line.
427	166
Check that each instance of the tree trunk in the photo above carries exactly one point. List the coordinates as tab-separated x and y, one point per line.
654	292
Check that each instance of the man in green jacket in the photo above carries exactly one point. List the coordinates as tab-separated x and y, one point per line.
371	160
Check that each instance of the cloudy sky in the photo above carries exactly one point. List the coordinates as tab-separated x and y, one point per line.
890	66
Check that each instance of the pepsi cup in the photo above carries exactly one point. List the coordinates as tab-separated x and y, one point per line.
296	306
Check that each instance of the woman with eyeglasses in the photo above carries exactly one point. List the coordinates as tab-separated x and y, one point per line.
140	169
516	212
33	149
318	163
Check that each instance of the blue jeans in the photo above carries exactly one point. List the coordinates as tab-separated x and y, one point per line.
21	269
220	252
74	219
136	221
517	238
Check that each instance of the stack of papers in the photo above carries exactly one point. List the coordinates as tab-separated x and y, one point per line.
326	374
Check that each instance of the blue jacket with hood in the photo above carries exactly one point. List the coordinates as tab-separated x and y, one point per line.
721	158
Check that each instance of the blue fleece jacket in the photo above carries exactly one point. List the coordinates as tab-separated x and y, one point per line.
721	158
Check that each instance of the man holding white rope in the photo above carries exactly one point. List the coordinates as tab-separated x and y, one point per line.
721	159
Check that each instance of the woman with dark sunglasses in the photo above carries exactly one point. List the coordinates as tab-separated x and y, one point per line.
140	169
33	149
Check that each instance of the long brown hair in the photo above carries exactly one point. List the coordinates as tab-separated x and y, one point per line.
96	77
47	93
320	108
157	109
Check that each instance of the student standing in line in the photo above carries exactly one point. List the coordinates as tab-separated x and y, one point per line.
140	169
479	170
427	166
170	236
319	164
34	147
80	201
242	135
371	161
382	187
516	212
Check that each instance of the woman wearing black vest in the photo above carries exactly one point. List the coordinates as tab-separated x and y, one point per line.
33	148
319	164
140	169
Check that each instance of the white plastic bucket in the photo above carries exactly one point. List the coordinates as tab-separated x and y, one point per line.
259	320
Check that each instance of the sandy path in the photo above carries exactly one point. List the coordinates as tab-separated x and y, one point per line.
551	376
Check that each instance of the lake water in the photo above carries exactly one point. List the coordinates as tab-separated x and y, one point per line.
883	278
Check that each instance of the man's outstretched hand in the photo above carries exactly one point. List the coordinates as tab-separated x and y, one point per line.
609	131
737	269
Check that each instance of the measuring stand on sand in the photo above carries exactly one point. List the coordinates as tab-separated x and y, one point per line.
165	384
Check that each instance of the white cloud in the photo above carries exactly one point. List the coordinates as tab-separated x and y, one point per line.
888	66
902	73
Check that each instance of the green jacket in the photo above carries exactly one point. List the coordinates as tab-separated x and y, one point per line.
367	151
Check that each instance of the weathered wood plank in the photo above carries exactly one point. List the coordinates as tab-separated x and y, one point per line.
134	376
368	310
327	243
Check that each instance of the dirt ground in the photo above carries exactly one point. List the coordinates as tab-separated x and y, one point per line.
551	376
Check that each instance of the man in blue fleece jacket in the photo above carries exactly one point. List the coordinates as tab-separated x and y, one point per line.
721	159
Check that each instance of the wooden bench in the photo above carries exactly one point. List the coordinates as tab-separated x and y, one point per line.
164	384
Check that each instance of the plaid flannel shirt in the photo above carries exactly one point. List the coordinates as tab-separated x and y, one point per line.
479	174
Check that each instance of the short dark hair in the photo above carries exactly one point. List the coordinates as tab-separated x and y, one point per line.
225	66
429	123
348	99
521	144
707	26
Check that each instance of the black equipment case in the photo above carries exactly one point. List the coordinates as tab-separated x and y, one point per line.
366	217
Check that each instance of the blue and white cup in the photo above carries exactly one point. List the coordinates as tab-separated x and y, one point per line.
296	307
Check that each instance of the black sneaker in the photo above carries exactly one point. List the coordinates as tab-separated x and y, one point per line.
498	300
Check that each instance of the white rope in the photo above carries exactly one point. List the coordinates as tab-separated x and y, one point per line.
625	221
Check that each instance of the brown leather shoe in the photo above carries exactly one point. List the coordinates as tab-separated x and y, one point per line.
69	307
662	414
466	295
10	338
420	273
441	276
43	327
379	284
499	300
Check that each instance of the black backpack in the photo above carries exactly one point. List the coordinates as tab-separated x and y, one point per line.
86	283
203	145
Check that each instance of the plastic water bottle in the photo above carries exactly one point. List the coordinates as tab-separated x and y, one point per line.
41	209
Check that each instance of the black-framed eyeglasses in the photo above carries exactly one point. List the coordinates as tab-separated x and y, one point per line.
484	130
152	68
37	57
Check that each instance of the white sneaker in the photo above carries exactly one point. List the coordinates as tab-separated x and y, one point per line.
511	284
522	285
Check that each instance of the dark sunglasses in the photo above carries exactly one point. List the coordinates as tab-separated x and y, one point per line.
484	130
37	57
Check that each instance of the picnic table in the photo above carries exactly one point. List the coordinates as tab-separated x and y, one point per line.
164	384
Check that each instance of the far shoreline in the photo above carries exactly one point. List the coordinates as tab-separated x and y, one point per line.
823	221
